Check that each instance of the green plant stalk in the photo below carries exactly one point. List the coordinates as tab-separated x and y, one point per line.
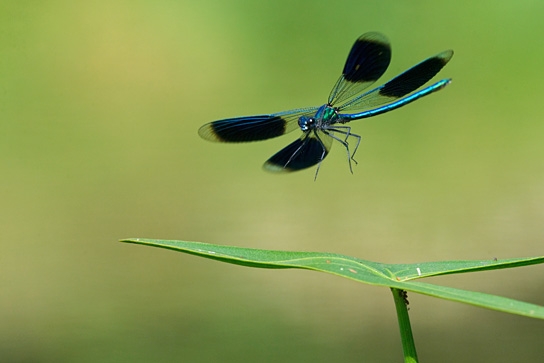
408	345
399	277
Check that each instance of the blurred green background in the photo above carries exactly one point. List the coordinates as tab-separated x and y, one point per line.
100	103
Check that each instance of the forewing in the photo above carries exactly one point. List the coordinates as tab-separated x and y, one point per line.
303	153
402	84
254	128
367	62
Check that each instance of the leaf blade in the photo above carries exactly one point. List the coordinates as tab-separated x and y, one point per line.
398	276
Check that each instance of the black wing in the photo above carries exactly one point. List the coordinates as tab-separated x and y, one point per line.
253	128
367	62
402	84
303	153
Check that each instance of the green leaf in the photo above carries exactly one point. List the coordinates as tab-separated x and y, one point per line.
399	276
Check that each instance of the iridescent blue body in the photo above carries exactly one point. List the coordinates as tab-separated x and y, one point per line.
367	61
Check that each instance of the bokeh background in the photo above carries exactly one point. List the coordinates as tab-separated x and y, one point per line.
100	103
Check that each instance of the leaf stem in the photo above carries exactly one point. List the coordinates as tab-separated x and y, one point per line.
408	345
